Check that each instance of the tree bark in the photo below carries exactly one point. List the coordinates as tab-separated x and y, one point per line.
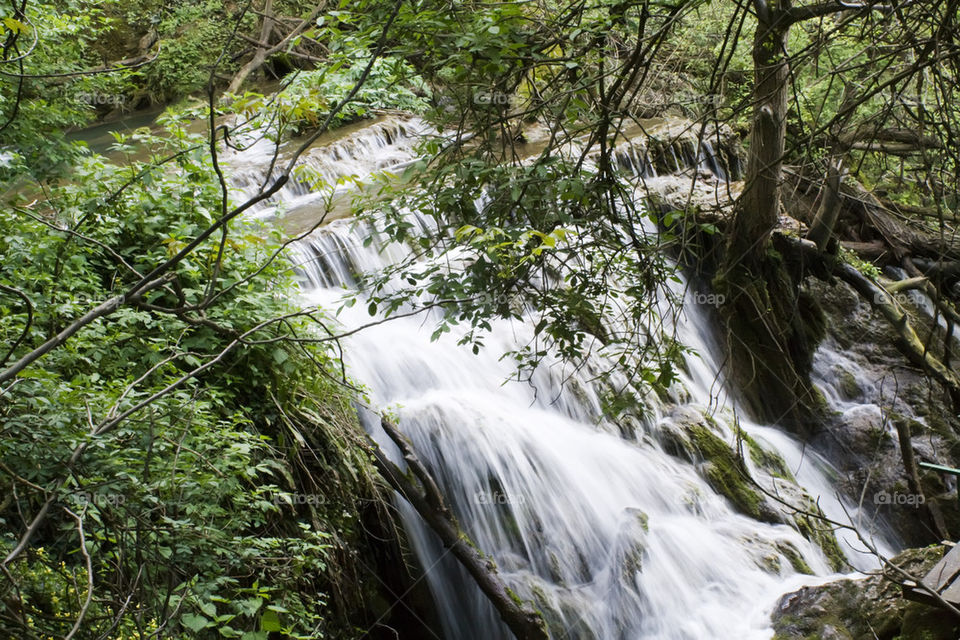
523	621
821	230
260	56
758	209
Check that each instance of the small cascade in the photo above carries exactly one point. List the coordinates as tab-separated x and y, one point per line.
678	149
614	533
354	152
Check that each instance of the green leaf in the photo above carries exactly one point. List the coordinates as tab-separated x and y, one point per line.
194	622
270	621
251	605
15	25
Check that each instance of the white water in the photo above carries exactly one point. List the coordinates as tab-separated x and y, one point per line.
611	536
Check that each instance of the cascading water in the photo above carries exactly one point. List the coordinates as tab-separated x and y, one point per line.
325	167
610	535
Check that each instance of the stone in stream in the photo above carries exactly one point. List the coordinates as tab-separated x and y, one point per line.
872	608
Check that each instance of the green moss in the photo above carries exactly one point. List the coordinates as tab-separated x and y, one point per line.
644	521
848	385
777	331
818	532
726	473
517	600
771	462
793	556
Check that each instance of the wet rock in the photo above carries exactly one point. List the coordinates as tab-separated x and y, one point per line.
873	391
871	608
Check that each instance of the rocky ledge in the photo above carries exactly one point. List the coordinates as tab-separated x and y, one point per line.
870	608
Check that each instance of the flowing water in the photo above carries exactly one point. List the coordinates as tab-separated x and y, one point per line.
612	536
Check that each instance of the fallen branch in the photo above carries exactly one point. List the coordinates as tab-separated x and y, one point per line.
883	302
523	621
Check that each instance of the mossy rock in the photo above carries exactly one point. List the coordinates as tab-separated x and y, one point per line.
793	555
848	386
868	609
727	474
770	461
817	531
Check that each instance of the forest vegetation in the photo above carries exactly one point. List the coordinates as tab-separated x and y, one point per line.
165	400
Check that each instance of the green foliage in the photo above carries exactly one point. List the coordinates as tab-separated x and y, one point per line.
186	505
865	267
530	240
53	40
309	98
193	36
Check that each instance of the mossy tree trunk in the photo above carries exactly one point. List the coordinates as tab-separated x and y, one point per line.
759	206
771	328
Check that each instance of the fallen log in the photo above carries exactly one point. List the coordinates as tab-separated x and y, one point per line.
867	250
522	620
941	269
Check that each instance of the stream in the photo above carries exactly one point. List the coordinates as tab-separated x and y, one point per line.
608	531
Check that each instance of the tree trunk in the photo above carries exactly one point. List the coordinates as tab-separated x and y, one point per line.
821	230
771	328
260	56
758	209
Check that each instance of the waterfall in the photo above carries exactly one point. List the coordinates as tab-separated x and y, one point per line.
611	533
354	152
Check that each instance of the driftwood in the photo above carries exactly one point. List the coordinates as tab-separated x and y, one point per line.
522	620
